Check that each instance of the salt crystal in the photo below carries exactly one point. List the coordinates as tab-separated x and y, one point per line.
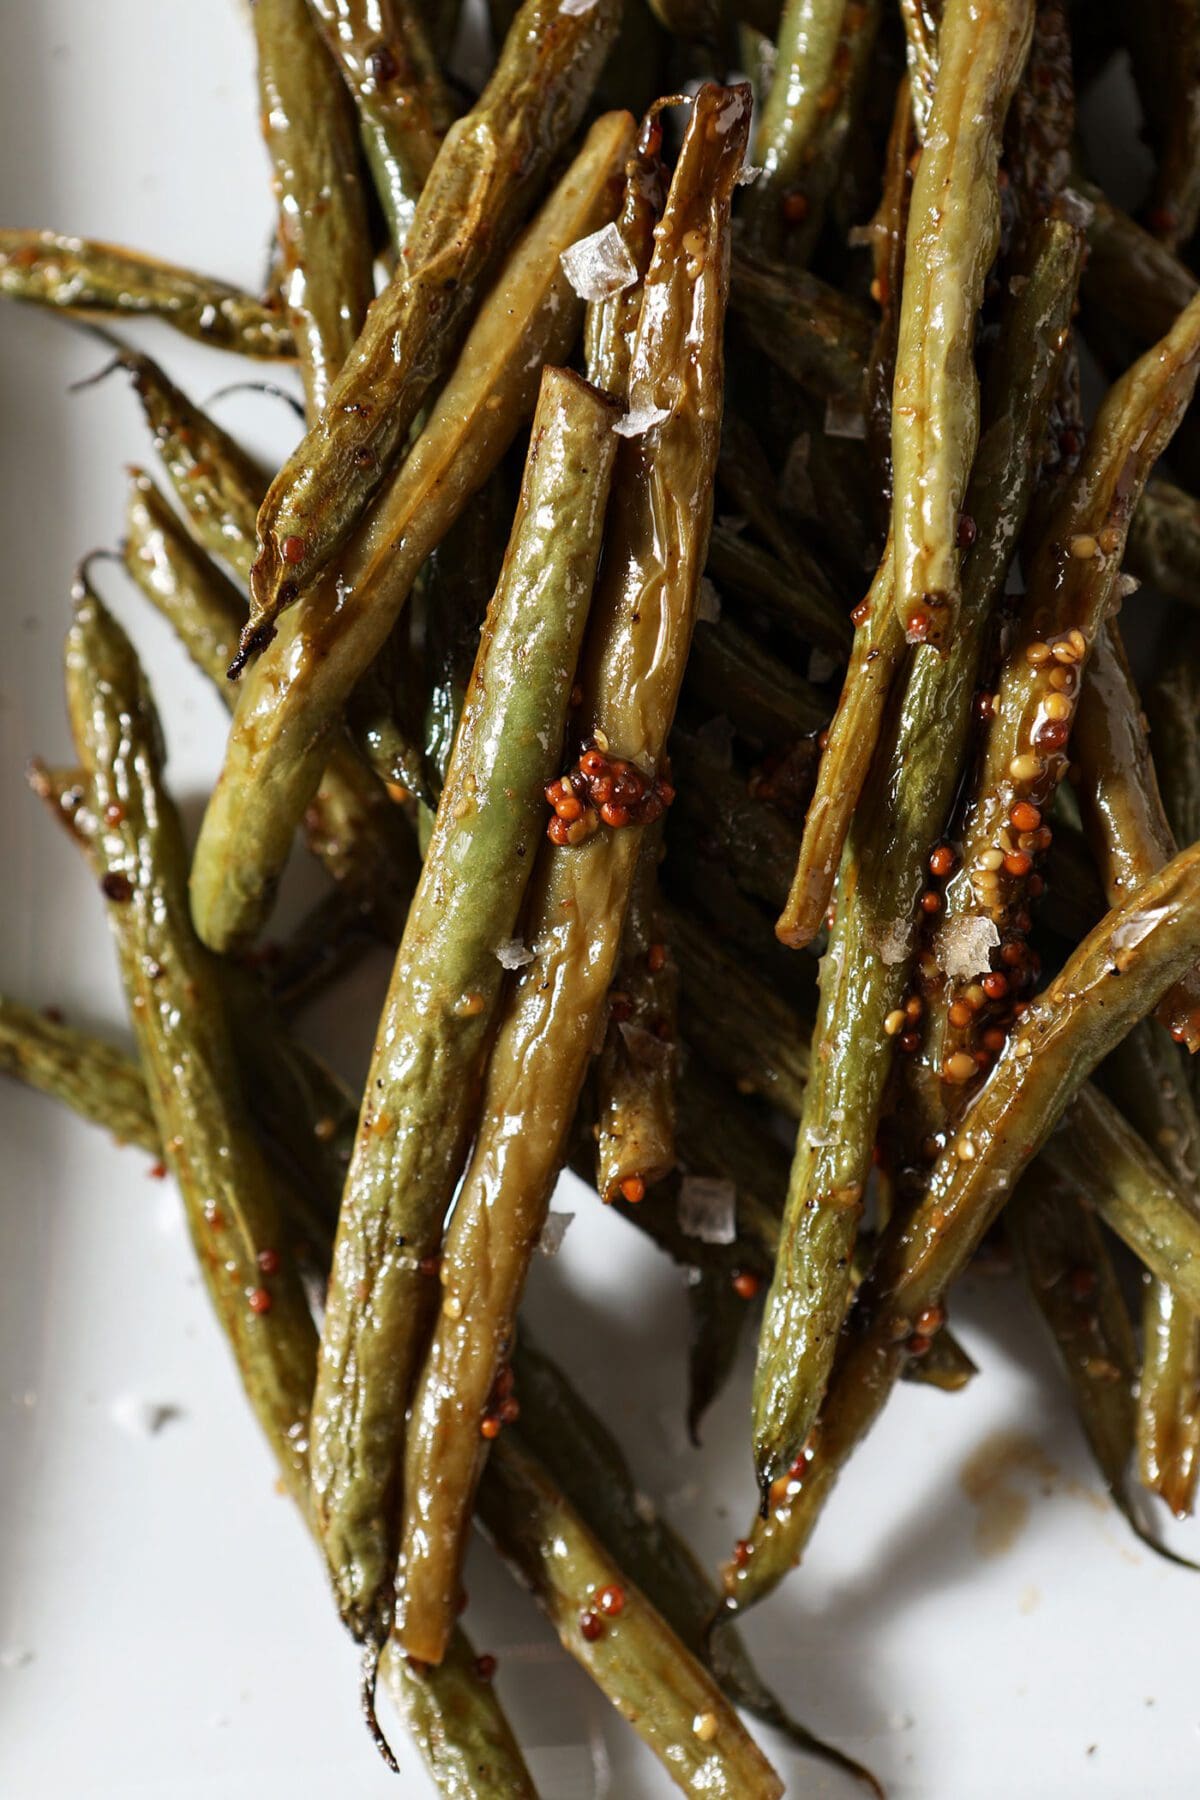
962	947
640	419
643	1047
715	738
1127	585
843	419
795	484
748	174
1075	209
511	953
707	1206
553	1232
893	945
708	606
600	265
1131	931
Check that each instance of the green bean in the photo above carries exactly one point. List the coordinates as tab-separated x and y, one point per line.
799	599
636	1069
484	179
458	581
953	233
1073	581
293	696
1164	42
1041	122
716	1321
330	938
1118	796
1169	1400
1100	1154
744	471
921	43
1173	703
360	836
889	234
1113	979
866	968
609	1626
1147	1079
610	325
1075	1288
945	1365
303	1109
402	102
308	127
585	1459
385	713
93	1078
423	1083
809	330
457	1724
741	1025
732	673
231	1199
218	486
821	51
1164	542
80	276
723	817
850	745
1130	275
642	620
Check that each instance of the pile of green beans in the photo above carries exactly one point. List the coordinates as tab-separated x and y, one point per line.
691	646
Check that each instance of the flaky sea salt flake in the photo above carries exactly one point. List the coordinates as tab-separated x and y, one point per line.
511	953
963	947
600	265
707	1209
641	419
553	1232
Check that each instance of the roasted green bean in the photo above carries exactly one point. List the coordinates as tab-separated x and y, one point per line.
362	838
636	1069
953	233
93	1078
403	106
1073	581
1112	980
645	607
80	276
609	1626
811	331
1147	1078
1164	541
308	126
230	1196
292	698
423	1083
1118	795
864	1011
821	52
483	181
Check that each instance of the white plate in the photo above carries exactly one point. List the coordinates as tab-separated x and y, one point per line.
164	1629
